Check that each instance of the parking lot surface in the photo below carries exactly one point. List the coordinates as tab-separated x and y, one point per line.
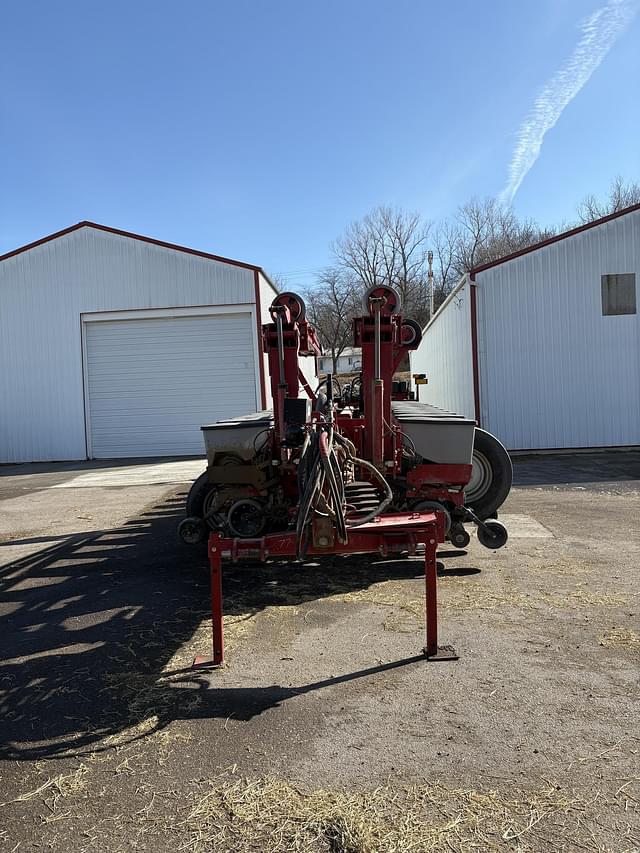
326	730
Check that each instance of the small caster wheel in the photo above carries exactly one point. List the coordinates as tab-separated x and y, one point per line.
192	530
458	536
493	534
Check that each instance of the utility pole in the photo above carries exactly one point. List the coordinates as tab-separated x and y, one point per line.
431	300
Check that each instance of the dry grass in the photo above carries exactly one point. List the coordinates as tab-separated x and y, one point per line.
247	816
63	785
148	701
274	815
236	627
622	638
269	814
470	594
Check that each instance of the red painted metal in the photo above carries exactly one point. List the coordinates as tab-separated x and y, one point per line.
299	338
377	440
386	534
390	345
215	561
310	392
367	422
441	474
431	603
217	616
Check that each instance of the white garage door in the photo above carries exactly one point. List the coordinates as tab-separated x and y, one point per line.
153	382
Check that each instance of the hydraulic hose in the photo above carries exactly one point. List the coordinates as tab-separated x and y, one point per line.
385	502
321	482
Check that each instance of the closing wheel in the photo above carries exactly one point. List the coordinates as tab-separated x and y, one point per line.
493	534
491	475
246	518
192	530
458	536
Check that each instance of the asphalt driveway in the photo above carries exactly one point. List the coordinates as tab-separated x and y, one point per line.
110	741
49	503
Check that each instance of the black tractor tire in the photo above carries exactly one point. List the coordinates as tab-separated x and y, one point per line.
492	475
197	495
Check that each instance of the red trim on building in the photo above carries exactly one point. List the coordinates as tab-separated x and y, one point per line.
132	236
263	387
582	451
556	238
474	348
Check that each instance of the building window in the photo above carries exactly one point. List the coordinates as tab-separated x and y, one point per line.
619	294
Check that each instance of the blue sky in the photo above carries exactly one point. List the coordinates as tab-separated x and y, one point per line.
259	130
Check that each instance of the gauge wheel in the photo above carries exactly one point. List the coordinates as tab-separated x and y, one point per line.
434	506
192	530
458	536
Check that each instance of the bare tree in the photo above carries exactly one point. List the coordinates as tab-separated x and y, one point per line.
621	194
488	231
387	247
278	281
330	307
481	231
446	273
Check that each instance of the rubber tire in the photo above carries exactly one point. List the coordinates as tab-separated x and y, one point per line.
435	506
458	536
494	536
197	494
192	531
502	475
417	332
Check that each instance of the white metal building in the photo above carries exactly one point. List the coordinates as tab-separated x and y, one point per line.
349	361
117	345
542	347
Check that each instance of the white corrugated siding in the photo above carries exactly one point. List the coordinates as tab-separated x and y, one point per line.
267	292
152	383
555	373
44	291
445	355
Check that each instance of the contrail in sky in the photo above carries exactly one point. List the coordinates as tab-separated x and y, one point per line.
598	34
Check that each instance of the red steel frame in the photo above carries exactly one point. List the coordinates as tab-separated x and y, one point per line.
385	534
376	437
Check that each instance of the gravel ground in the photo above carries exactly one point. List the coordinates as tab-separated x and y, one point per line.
325	730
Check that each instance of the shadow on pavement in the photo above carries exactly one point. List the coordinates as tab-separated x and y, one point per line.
82	466
244	703
93	624
566	469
